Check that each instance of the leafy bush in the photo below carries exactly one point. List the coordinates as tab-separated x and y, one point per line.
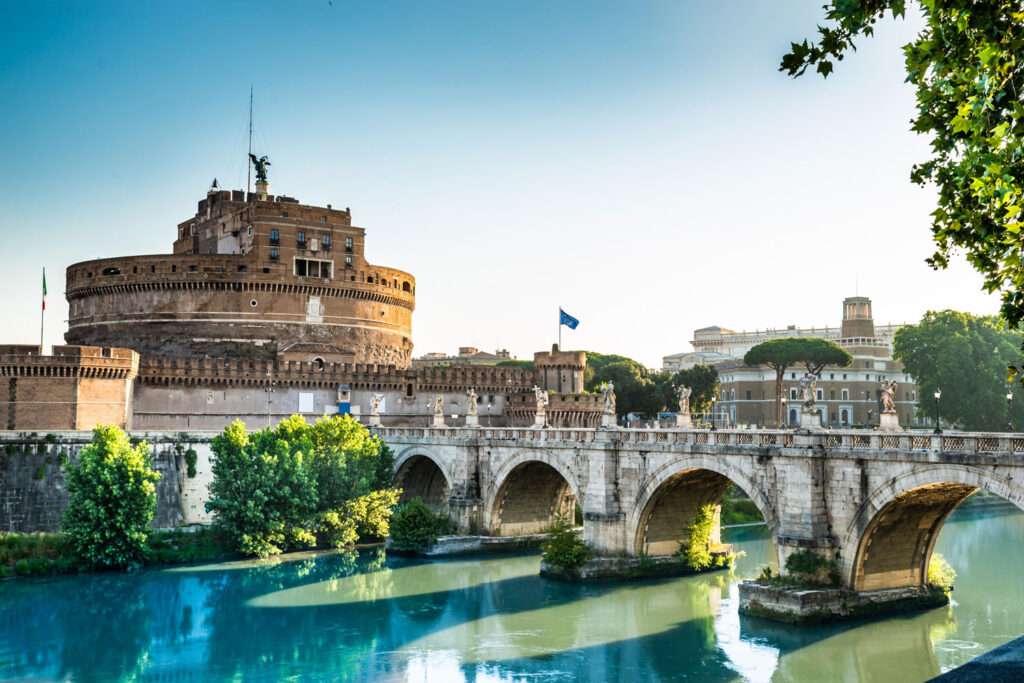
190	463
112	491
32	554
808	567
564	548
414	526
290	486
178	546
696	548
940	574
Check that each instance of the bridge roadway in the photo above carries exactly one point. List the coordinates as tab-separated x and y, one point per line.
876	501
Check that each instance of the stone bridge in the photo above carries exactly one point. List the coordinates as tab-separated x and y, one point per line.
874	501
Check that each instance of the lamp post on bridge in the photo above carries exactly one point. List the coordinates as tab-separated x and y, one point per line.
1009	411
785	415
937	395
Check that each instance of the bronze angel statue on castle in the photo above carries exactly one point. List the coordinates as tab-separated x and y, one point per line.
260	165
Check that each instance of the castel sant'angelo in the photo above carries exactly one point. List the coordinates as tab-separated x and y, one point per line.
266	307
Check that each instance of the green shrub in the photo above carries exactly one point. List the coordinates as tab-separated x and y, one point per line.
288	487
940	574
177	546
112	489
190	463
564	548
696	547
808	567
414	526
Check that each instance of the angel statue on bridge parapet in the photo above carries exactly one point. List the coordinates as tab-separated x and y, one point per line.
471	401
375	402
888	396
809	390
683	393
608	396
438	406
541	395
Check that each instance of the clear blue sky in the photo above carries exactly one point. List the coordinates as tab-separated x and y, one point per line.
643	164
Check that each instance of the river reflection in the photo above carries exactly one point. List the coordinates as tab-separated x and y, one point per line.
335	617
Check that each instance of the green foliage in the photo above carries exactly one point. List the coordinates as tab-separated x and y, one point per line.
966	67
190	462
807	567
278	489
635	389
564	548
180	546
415	527
967	356
696	546
112	490
34	554
780	354
738	509
940	574
365	517
526	364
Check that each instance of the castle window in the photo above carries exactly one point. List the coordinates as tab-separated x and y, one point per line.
845	394
274	255
152	269
174	269
323	219
313	268
275	236
325	242
242	269
301	237
406	287
748	394
193	268
348	244
111	271
348	262
135	269
284	214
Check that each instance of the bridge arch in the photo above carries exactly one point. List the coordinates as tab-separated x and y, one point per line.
890	540
672	494
420	474
530	491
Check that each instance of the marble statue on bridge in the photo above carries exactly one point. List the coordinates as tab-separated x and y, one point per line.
683	418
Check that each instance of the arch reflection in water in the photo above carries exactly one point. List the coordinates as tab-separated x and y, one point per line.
499	622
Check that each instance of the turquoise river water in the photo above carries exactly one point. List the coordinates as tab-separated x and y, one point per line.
332	617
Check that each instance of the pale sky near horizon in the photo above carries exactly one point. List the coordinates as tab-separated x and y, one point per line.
644	165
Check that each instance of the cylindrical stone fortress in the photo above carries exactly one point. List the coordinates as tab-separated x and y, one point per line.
259	278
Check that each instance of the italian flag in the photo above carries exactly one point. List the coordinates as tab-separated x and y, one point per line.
44	289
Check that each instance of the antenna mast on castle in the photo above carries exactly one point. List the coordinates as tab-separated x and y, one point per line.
248	165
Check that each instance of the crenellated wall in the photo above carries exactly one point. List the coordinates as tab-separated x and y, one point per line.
33	493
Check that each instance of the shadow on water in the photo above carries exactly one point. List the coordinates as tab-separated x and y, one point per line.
345	617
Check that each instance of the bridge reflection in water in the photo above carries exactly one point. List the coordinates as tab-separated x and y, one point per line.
334	617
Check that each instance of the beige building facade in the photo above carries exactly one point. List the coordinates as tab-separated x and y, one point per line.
846	396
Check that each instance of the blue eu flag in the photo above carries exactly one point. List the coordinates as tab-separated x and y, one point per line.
567	320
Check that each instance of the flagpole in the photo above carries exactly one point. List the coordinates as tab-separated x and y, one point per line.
42	314
559	328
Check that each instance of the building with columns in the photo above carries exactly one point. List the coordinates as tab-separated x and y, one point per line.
846	396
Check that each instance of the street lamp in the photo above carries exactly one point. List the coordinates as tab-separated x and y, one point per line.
1009	411
713	399
784	421
937	395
